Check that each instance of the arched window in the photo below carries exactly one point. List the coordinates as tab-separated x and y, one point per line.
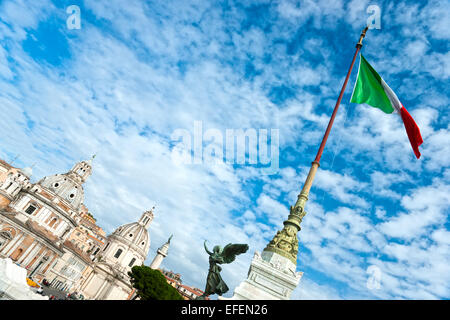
118	253
5	236
51	224
132	262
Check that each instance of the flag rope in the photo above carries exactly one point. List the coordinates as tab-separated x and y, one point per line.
336	151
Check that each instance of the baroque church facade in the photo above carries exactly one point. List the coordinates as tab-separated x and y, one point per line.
38	219
127	246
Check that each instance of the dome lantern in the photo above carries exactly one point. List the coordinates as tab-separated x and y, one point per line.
146	218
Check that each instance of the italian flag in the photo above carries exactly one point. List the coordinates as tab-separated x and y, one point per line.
370	88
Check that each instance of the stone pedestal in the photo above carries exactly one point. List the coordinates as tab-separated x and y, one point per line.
271	277
13	285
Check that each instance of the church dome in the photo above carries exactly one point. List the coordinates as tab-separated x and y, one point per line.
134	235
128	245
68	186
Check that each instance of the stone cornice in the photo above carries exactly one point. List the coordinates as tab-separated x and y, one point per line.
3	193
39	236
52	205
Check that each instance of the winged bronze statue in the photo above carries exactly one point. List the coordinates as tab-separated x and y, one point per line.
214	282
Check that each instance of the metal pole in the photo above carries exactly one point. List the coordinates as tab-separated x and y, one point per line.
303	196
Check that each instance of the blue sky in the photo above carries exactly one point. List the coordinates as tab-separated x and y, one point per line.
136	72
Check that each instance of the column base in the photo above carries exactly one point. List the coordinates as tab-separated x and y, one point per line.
270	277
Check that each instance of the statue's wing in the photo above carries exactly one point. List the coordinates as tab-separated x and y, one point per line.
230	251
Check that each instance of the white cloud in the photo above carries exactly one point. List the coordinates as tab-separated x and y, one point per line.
426	207
342	187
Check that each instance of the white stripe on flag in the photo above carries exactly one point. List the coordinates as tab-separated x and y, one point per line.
396	104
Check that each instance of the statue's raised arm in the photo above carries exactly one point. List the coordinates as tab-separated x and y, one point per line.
206	249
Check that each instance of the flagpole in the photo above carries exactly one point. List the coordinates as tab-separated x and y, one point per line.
303	196
284	243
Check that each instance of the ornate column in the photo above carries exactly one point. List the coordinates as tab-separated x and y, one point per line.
160	254
272	274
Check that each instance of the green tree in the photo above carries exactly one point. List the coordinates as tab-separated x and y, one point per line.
152	285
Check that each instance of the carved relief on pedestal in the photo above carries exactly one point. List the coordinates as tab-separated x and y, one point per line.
285	242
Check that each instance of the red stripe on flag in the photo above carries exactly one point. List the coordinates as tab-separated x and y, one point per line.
412	130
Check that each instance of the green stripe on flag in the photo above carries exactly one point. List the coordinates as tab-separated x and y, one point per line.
368	88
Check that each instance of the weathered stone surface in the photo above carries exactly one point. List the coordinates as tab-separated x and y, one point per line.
271	277
13	283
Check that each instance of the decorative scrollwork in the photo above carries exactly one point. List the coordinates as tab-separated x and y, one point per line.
285	242
298	211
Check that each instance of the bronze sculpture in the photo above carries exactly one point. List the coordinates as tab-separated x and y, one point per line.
214	282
